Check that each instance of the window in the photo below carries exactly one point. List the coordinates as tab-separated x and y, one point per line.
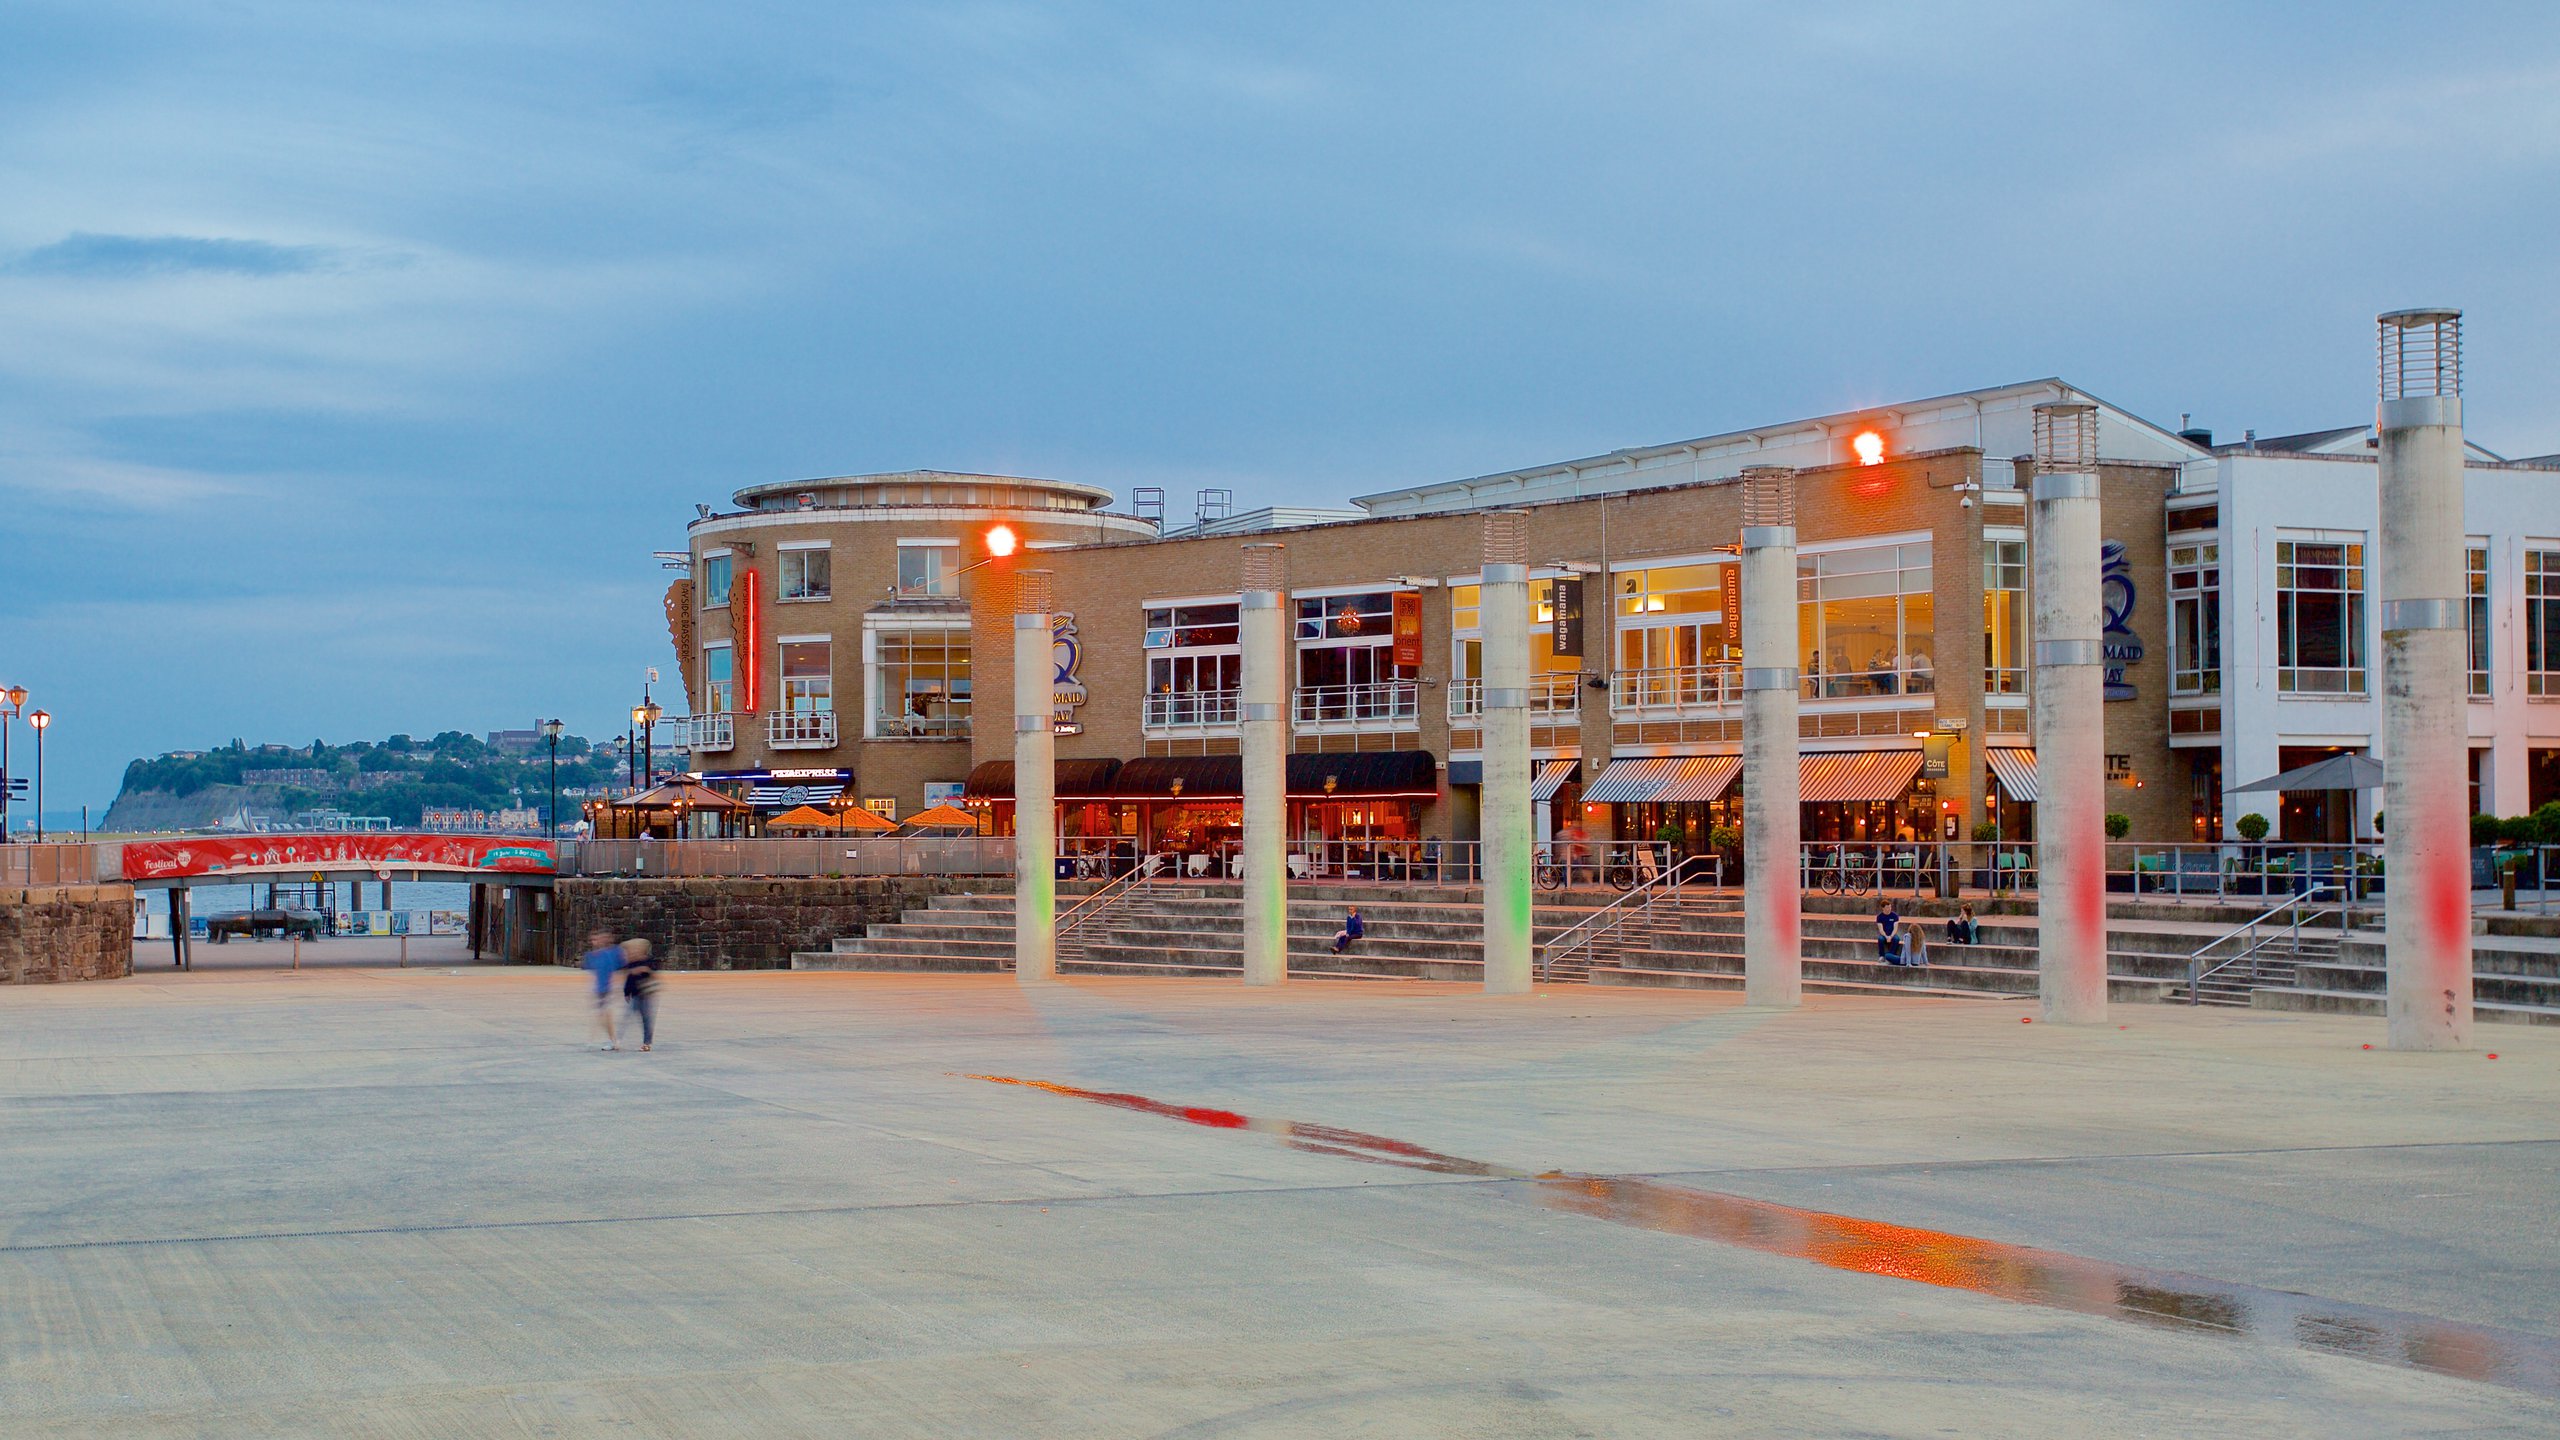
2319	617
2542	622
719	680
922	569
715	579
808	677
884	806
1674	639
1866	622
1195	671
804	573
2476	617
1553	678
920	681
1346	660
2195	619
2004	617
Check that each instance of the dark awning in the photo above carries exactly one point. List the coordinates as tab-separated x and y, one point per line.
1364	772
1152	777
1076	780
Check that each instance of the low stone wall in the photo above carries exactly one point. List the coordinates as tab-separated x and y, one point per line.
65	932
733	924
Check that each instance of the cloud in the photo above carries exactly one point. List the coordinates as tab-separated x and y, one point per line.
122	257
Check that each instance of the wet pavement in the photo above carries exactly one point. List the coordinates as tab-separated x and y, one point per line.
374	1201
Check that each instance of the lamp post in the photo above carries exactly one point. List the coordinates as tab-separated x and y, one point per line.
551	817
12	700
39	719
644	717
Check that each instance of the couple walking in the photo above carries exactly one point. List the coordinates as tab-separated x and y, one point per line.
639	973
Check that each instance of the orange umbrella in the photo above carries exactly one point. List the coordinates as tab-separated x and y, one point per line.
942	817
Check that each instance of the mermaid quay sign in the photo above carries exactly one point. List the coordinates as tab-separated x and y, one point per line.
2121	647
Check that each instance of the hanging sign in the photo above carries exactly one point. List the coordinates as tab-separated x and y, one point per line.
1408	629
1732	577
1566	635
1066	691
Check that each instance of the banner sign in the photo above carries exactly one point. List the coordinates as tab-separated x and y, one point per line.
1934	753
223	854
1408	629
1732	575
2121	647
1566	636
747	625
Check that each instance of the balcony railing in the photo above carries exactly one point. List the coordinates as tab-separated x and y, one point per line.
1870	684
1553	699
1194	710
704	734
800	730
951	724
1384	705
1676	689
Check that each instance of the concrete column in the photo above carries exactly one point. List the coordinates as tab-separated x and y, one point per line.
1263	636
2425	837
1035	784
1773	821
2070	718
1503	599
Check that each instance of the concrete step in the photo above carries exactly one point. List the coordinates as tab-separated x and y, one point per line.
2301	999
936	964
1182	959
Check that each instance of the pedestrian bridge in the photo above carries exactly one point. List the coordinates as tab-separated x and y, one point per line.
222	859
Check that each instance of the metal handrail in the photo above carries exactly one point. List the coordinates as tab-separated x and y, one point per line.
1549	695
2198	973
1583	934
1093	907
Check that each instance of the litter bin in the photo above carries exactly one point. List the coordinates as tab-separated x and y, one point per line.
1064	868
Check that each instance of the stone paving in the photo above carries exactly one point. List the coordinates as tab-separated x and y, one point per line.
418	1203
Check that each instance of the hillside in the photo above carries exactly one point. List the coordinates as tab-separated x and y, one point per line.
399	778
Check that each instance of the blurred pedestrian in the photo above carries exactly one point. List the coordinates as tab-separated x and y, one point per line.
603	959
640	987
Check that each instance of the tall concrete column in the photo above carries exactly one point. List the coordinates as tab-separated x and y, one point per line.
1773	822
2070	718
1262	633
1503	611
1035	784
2425	846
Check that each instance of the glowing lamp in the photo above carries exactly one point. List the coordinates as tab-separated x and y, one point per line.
1001	541
1869	446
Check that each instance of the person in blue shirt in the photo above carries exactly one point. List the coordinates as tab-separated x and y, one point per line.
1888	935
603	959
1351	930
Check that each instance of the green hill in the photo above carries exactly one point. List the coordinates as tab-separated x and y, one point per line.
398	777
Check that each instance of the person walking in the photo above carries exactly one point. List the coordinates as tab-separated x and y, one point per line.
640	987
1888	935
602	960
1352	929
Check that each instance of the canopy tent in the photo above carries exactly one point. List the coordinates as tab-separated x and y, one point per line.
689	794
2016	767
2338	772
668	811
1691	779
1838	776
940	820
1551	777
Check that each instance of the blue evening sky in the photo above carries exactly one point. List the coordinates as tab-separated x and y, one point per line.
357	356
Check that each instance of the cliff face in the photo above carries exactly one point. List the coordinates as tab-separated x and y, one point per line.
139	811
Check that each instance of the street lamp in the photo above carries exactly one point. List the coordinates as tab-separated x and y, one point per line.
551	817
644	718
12	700
39	719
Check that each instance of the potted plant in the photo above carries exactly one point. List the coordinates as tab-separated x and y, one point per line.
1986	833
1726	842
2118	827
2253	829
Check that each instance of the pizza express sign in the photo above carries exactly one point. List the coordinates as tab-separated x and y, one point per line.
2121	648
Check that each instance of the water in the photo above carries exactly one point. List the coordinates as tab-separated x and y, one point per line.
417	898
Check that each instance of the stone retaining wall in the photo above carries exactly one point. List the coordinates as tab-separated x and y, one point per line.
735	924
65	932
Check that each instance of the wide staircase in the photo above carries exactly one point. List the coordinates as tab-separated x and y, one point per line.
2515	974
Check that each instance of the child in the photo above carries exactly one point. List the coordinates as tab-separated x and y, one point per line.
1351	930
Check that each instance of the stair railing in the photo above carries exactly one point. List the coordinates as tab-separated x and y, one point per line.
1621	919
1081	919
2294	909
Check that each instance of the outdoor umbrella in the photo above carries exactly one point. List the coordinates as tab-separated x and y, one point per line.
2338	772
941	819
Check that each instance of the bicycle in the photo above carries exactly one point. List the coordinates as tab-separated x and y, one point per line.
1838	878
1545	872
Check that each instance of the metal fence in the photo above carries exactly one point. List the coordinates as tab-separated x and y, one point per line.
51	864
2200	870
829	856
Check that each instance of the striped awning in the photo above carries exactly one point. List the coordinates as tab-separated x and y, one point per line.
1691	779
2016	767
1551	778
1836	776
784	797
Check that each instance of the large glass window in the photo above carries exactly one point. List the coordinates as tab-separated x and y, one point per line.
2004	617
1346	660
808	677
1194	669
719	680
920	681
1867	622
715	579
2542	622
2195	619
926	570
805	573
2476	617
1552	677
1673	635
2320	617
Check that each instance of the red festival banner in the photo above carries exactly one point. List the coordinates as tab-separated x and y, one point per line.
281	854
1408	629
747	624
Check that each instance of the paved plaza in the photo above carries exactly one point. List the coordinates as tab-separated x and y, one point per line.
416	1203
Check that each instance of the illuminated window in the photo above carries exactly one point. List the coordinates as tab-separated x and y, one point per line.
2195	619
1866	619
2004	617
808	677
719	680
919	680
1195	670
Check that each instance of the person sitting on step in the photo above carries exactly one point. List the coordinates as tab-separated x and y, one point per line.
1351	930
1962	930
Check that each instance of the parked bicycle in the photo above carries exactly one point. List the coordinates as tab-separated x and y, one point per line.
1840	877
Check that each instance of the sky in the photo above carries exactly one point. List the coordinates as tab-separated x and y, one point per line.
355	358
